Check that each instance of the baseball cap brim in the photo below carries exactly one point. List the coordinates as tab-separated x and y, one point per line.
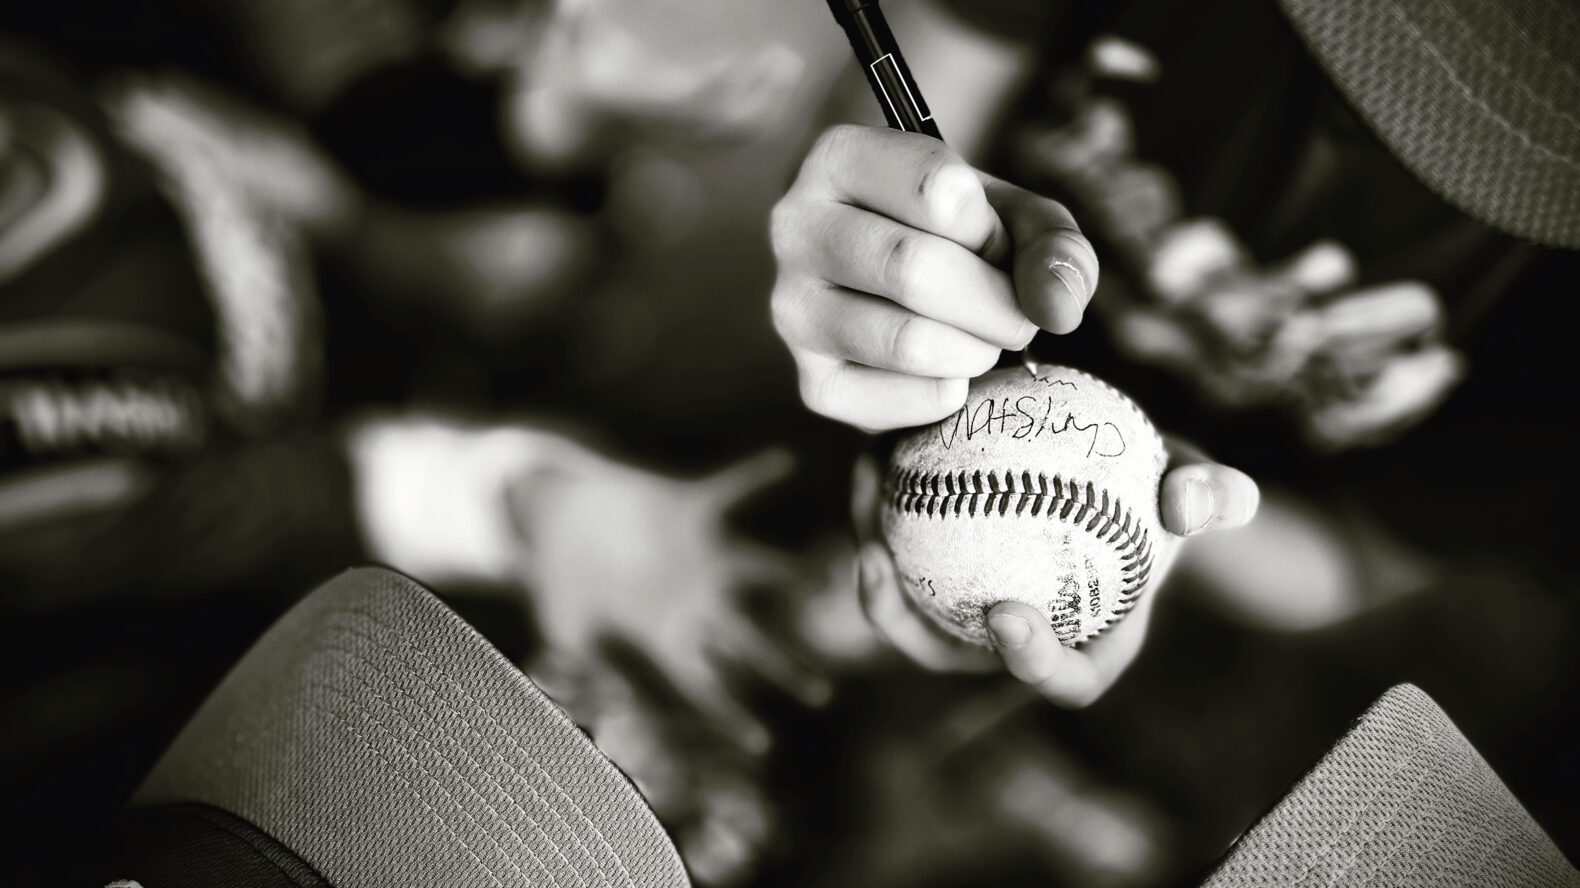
380	738
1403	800
1480	100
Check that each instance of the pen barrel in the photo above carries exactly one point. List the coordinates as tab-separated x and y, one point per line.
884	67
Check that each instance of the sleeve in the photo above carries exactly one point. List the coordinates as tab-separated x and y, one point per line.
267	517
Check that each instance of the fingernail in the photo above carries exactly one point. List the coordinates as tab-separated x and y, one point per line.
1074	282
1197	505
1009	630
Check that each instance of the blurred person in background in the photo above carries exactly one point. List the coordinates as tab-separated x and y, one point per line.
170	477
215	328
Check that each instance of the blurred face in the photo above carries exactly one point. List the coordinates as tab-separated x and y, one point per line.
582	69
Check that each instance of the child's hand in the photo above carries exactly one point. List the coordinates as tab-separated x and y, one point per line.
892	294
903	272
606	552
1197	495
612	552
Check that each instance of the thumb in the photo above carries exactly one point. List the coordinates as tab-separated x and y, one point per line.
1053	264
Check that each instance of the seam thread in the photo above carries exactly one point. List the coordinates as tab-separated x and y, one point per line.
972	494
1470	96
434	668
396	717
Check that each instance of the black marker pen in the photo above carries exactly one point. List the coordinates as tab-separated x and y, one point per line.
890	79
886	70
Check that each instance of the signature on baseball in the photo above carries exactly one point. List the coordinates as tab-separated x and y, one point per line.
1029	417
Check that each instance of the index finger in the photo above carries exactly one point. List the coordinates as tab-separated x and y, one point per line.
913	179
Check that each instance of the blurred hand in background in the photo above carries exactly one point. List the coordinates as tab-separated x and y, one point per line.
1352	364
1355	363
635	582
612	551
603	550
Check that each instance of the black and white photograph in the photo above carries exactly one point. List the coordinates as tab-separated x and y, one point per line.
789	443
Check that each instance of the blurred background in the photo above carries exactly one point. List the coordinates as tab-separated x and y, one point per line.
479	289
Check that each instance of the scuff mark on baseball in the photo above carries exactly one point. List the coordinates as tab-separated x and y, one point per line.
1041	489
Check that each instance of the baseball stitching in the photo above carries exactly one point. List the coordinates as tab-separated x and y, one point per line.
939	495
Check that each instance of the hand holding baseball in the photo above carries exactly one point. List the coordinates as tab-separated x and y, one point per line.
903	272
1196	496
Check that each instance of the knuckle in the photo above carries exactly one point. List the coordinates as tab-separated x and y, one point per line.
785	228
830	145
944	186
902	263
908	344
780	225
949	395
785	310
799	304
819	392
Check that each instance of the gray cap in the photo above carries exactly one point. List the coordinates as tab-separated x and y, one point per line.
1403	801
1480	99
378	736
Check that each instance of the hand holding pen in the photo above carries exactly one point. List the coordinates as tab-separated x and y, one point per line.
903	273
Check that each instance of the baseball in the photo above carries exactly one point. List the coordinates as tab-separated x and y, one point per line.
1042	489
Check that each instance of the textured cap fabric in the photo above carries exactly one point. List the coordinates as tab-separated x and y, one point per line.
378	736
1402	800
1481	100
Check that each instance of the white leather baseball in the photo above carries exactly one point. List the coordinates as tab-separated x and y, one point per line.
1042	489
